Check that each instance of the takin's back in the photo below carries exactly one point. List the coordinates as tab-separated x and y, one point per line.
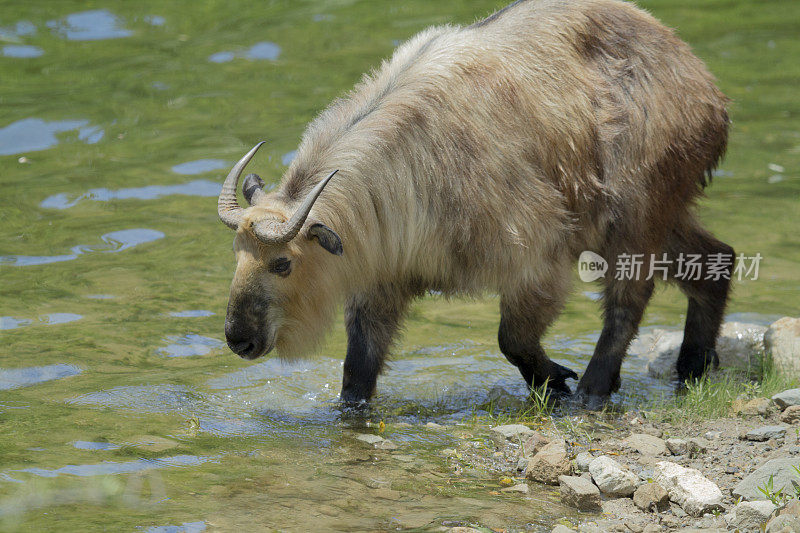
532	129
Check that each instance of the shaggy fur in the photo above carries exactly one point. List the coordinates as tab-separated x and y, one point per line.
486	158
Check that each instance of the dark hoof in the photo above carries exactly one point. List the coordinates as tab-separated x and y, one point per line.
595	386
591	402
694	362
556	380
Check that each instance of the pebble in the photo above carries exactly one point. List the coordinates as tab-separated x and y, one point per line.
754	407
511	431
369	438
521	488
549	463
651	497
712	435
765	433
791	414
678	446
560	528
579	493
582	461
611	478
689	488
646	444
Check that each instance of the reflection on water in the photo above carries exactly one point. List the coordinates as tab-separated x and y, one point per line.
190	344
196	313
93	25
200	166
9	322
22	51
20	29
116	241
288	157
186	527
23	377
155	20
89	445
111	467
203	188
60	318
264	50
34	134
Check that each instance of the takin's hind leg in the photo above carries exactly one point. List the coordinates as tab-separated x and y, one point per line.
372	320
707	291
523	320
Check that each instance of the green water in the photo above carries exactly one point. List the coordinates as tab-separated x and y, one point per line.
93	268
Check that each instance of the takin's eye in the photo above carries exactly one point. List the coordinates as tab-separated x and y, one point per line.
280	266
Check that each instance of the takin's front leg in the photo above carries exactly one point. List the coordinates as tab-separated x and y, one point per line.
372	320
523	320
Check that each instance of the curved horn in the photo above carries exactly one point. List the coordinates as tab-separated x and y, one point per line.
227	207
271	232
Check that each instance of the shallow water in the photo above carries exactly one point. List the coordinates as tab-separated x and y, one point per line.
117	136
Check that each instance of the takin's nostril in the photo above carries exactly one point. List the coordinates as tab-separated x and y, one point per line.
242	348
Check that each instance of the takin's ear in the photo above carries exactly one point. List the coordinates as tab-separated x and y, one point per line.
327	238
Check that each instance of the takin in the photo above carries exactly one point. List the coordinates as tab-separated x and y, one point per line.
487	158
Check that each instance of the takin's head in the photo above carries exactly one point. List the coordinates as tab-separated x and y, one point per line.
281	294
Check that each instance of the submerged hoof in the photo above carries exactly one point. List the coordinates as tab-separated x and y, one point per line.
556	380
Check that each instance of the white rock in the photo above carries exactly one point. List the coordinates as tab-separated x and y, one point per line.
782	341
511	431
688	488
750	516
611	478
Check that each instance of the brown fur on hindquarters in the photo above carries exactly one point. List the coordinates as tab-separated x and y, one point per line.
487	158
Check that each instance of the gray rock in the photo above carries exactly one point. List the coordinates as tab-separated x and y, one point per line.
651	497
549	463
791	414
646	444
560	528
750	516
787	398
611	478
765	433
521	488
737	346
689	488
582	461
782	342
511	431
579	493
782	472
712	435
369	438
784	523
522	464
678	446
